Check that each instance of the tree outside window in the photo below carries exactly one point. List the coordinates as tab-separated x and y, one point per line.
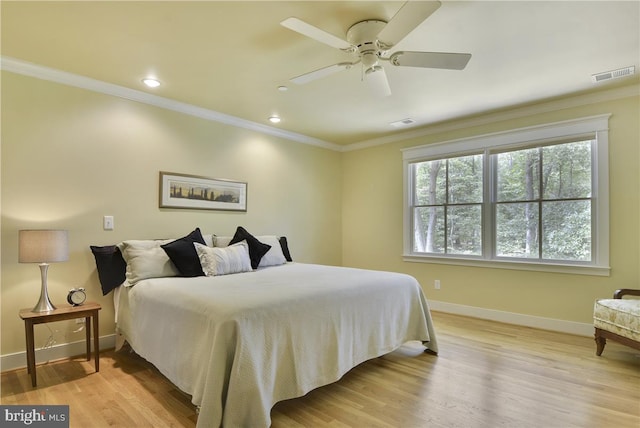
448	205
543	202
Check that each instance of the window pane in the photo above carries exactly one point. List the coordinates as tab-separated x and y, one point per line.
567	170
517	230
518	175
464	230
430	182
465	180
428	230
566	230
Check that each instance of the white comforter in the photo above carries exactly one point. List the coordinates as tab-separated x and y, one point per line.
240	343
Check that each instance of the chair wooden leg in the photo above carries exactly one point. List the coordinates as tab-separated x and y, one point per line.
600	342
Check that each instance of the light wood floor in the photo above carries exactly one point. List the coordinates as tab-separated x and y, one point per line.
486	375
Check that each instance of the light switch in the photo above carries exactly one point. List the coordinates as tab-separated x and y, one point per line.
107	222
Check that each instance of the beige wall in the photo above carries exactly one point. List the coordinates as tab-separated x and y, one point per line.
70	156
372	223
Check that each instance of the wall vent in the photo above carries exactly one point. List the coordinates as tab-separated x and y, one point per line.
615	74
403	122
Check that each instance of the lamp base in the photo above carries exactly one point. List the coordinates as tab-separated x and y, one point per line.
44	303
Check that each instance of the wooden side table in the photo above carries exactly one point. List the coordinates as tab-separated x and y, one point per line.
64	312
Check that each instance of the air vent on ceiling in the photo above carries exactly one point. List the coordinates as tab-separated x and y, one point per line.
403	122
615	74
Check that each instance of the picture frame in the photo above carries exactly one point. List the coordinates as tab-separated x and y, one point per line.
202	193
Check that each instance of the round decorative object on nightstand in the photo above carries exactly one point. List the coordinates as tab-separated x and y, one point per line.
76	296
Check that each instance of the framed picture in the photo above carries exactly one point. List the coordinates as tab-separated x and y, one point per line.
196	192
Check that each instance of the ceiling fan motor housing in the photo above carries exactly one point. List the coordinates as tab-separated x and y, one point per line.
363	35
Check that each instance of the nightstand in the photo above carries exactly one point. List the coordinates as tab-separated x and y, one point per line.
64	312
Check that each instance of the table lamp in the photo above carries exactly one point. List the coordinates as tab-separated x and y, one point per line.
43	247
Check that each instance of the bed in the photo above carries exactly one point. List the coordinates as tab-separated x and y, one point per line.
240	343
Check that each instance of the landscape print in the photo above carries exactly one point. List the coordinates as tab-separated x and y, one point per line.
187	190
190	191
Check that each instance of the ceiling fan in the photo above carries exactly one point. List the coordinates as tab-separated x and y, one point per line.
372	39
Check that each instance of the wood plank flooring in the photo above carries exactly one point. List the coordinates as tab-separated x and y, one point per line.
487	374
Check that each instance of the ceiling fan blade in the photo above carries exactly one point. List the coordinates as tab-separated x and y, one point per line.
322	72
410	15
377	80
450	61
315	33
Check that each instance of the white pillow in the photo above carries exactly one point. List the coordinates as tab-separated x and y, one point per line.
223	261
274	256
208	239
221	241
146	259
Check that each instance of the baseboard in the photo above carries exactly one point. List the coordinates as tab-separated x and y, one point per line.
563	326
65	350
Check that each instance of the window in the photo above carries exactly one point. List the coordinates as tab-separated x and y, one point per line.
448	206
534	198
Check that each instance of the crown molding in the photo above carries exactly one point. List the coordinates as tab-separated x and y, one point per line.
513	113
46	73
37	71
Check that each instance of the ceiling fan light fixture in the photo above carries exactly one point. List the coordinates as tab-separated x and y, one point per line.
373	69
369	60
376	78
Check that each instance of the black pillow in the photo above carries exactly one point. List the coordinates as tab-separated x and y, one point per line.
285	248
111	267
183	254
257	249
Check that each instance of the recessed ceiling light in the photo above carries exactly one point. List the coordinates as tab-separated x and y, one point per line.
404	122
283	88
152	83
274	119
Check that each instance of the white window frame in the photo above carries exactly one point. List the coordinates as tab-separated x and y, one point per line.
593	127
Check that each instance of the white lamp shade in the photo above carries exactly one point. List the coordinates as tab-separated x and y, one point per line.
43	246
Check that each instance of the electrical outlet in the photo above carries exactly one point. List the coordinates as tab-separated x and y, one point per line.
436	284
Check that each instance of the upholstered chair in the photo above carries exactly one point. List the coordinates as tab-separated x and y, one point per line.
617	319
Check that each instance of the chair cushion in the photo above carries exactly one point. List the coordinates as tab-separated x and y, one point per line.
620	316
